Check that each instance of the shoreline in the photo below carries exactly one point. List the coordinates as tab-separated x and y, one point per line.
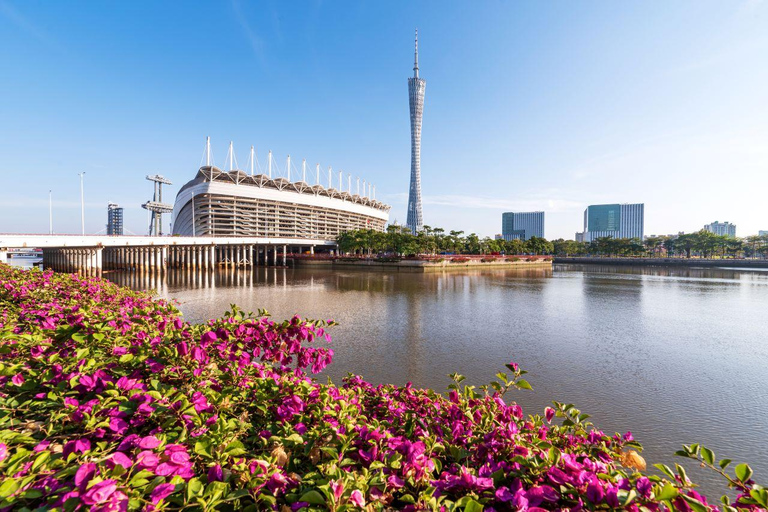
663	262
420	266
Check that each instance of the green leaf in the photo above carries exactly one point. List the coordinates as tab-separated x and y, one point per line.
194	487
235	448
695	504
668	492
665	469
743	472
8	487
295	438
523	384
708	455
473	506
313	498
203	448
724	463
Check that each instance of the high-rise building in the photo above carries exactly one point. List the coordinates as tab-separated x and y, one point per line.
522	226
114	220
614	220
762	232
416	88
721	228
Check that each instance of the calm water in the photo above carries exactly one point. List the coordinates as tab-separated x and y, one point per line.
674	355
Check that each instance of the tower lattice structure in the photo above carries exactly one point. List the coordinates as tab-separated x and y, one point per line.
416	88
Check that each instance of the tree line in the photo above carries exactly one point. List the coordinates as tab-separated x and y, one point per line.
702	243
400	241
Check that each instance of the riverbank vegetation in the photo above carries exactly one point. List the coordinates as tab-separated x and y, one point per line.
109	400
398	240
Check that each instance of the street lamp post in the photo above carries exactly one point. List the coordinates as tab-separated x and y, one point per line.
50	213
82	204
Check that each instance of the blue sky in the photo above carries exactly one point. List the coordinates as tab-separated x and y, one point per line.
529	105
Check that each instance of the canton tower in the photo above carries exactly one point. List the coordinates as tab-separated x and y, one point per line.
416	87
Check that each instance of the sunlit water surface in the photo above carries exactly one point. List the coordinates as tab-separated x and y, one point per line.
674	355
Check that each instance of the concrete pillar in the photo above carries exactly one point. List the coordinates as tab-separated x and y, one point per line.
274	256
212	257
99	253
312	250
250	256
285	255
164	258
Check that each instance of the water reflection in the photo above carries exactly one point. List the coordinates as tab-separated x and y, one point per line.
677	355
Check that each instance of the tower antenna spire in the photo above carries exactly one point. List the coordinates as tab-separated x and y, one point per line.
416	56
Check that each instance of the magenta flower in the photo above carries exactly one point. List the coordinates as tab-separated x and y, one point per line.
17	379
76	446
84	474
118	426
148	443
595	492
100	492
357	499
337	488
215	474
549	413
644	487
147	460
161	492
3	451
119	458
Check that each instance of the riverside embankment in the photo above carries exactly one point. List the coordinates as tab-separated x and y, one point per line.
663	262
426	265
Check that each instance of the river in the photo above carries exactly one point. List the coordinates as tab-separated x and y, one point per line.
676	355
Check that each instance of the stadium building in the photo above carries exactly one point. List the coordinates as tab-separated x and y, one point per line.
240	204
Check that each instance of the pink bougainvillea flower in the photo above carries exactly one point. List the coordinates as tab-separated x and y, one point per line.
148	442
18	379
3	451
337	488
100	492
215	474
161	492
76	446
357	499
84	474
119	458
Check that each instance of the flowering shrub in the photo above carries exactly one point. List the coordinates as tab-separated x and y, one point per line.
487	260
110	401
459	260
513	259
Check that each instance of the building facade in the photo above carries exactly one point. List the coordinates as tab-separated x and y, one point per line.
522	225
114	220
232	203
614	221
721	228
416	89
762	232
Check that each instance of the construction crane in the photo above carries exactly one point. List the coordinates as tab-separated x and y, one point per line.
156	206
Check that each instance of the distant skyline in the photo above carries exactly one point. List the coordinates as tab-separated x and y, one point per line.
533	106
